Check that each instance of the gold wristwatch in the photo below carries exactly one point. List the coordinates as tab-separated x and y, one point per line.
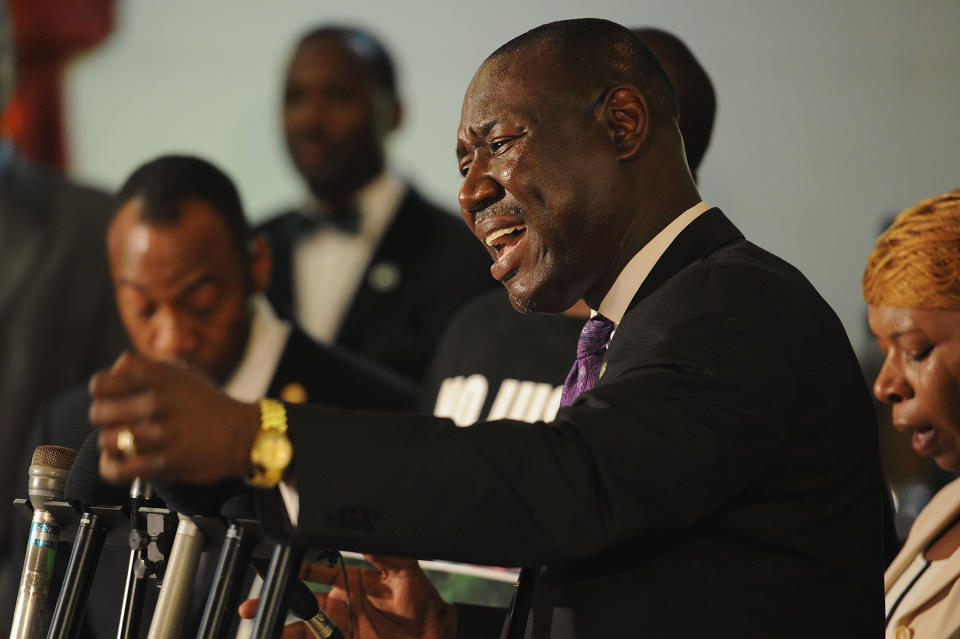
272	451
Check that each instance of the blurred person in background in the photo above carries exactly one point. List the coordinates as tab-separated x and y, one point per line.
58	322
362	261
912	284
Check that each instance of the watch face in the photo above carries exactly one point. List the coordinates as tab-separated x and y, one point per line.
273	450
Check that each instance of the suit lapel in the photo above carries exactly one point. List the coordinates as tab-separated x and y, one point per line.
387	270
944	578
285	385
288	230
703	236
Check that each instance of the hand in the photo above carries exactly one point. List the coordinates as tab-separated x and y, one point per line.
395	600
184	428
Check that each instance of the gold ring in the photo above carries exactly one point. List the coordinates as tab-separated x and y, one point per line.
125	443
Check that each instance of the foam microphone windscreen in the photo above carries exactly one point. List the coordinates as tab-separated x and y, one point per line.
240	506
84	483
197	499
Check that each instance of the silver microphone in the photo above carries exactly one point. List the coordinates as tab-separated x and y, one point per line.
177	581
48	473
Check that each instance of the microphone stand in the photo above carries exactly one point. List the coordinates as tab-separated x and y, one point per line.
224	594
139	567
272	612
520	606
88	543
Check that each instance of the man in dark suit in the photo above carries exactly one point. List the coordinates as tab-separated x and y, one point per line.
187	279
361	263
470	378
718	479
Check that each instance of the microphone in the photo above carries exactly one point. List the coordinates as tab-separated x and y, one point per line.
47	478
242	536
139	564
234	556
177	581
184	559
282	589
101	511
197	499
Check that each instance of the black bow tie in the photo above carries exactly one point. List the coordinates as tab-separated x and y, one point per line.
346	220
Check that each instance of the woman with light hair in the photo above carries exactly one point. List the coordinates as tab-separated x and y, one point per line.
912	284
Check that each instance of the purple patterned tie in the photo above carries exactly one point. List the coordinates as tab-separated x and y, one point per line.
590	351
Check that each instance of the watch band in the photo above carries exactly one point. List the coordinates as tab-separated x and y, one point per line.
271	452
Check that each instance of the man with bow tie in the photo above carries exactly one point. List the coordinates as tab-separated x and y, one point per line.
361	263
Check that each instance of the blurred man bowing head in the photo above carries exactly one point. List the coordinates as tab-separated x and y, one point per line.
716	452
189	277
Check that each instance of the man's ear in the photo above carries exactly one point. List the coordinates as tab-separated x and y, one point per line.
387	114
261	263
628	119
396	118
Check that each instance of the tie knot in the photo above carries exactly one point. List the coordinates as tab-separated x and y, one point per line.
346	220
594	336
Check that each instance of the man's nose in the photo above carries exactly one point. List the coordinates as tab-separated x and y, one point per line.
173	336
891	385
478	191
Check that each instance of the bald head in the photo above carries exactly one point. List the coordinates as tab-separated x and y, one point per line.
590	55
696	99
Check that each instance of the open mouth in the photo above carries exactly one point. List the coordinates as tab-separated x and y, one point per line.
505	238
507	243
922	439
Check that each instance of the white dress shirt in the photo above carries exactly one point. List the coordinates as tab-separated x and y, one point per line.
329	263
251	378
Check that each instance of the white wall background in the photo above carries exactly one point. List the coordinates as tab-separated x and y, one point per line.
832	114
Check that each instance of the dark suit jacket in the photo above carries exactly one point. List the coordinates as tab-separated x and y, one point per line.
720	480
57	318
440	266
326	374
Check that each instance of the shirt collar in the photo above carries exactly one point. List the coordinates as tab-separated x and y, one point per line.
618	298
268	337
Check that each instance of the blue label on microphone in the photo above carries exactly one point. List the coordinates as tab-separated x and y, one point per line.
44	535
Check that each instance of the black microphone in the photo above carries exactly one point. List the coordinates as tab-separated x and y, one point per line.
243	534
197	499
283	590
100	504
235	554
47	478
